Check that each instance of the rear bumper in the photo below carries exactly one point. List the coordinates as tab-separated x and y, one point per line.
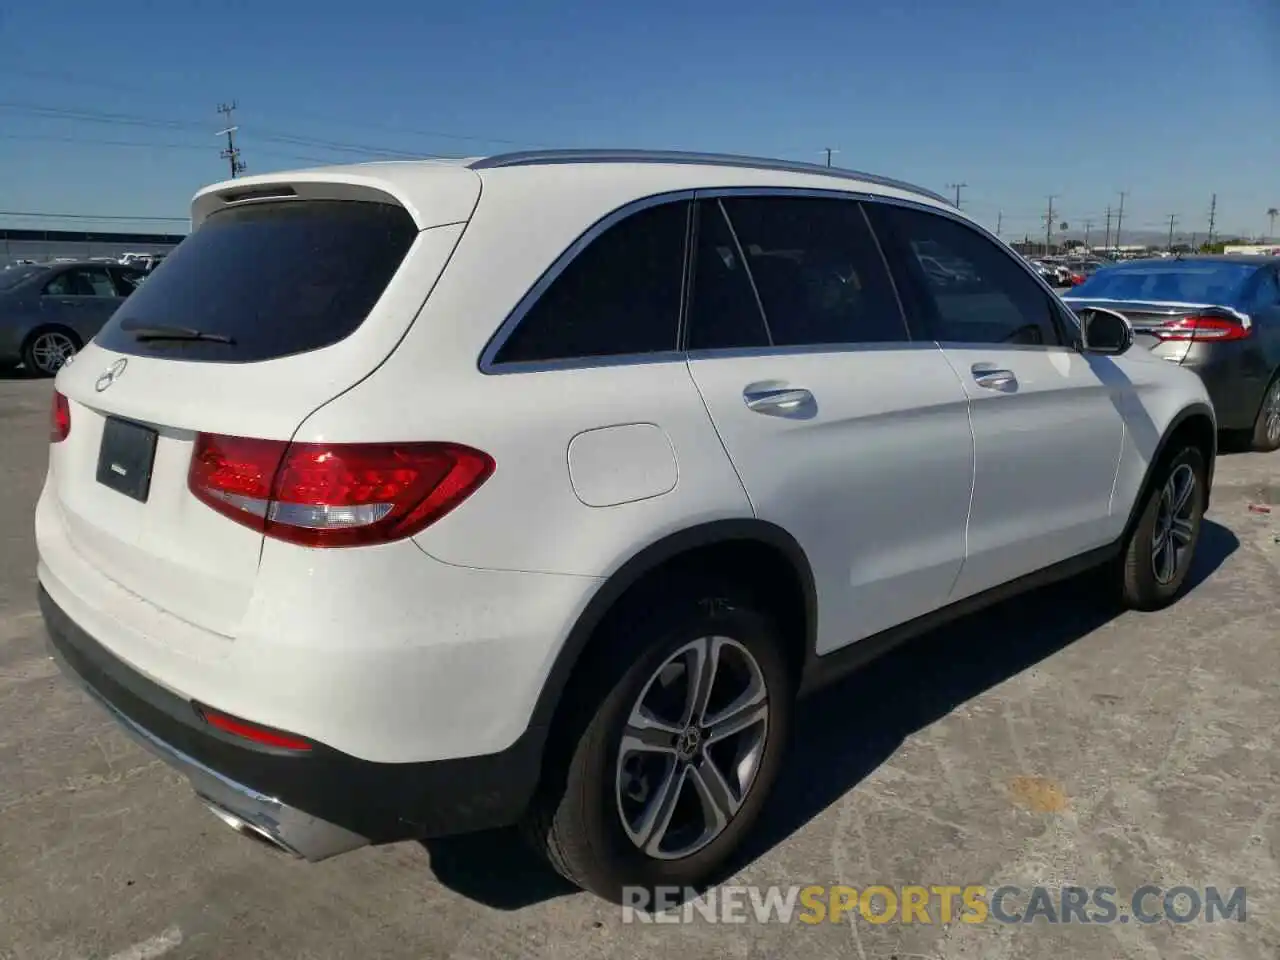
315	804
1233	379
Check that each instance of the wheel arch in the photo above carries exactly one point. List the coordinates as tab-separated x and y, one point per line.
1194	424
49	327
762	551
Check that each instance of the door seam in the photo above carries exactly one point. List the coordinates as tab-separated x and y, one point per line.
973	465
712	420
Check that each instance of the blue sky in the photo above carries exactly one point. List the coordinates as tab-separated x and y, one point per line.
1170	100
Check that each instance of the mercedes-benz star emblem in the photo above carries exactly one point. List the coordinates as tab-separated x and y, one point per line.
111	375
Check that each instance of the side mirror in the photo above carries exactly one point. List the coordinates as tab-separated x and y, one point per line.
1105	331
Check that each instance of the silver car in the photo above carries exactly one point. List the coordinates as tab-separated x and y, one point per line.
48	311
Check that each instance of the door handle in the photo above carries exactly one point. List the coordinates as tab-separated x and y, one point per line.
994	379
778	402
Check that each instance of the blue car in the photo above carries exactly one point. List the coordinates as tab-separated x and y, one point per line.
1217	315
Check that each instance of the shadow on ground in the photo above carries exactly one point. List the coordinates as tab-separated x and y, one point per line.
887	701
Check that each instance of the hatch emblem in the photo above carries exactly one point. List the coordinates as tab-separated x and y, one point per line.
110	375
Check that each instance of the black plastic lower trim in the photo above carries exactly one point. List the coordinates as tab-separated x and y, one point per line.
383	802
821	670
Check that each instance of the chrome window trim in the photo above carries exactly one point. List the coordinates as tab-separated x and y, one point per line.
746	268
528	158
552	273
1069	324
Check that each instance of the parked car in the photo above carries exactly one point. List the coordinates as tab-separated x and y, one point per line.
49	311
1218	316
432	497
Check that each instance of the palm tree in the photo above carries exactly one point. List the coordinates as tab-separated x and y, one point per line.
1272	213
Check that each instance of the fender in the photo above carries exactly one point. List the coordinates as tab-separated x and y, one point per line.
645	562
1197	409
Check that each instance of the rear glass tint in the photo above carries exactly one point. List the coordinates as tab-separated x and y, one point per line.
274	278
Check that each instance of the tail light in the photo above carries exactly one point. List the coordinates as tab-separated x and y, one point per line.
60	419
1202	329
334	495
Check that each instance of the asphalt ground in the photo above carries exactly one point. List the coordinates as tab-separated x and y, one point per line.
1046	742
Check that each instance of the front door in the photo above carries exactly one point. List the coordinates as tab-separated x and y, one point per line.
843	431
1047	426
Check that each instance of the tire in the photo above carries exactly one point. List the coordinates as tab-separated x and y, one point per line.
1266	429
592	782
47	349
1151	577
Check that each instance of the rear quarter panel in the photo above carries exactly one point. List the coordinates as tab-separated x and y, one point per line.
527	516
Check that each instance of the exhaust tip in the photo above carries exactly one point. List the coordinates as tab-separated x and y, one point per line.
247	829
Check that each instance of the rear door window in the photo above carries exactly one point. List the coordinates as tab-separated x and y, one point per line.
723	310
275	279
817	271
81	282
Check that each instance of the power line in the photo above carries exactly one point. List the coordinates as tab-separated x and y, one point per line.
150	145
90	216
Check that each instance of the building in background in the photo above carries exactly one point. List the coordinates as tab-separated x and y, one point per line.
45	245
1263	249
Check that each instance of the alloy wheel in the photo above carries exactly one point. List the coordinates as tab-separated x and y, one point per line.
1175	524
1271	413
692	747
51	350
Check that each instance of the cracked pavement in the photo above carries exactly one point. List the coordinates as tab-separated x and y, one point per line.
1042	742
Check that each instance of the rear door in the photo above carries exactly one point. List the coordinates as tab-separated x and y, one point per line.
1046	418
82	298
266	312
844	432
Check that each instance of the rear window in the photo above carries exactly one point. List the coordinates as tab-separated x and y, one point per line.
1175	282
275	279
10	277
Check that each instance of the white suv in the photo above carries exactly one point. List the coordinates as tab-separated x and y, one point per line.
418	498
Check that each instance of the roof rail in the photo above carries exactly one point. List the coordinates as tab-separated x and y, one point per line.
530	158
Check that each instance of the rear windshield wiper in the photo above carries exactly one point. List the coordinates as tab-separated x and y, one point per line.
145	334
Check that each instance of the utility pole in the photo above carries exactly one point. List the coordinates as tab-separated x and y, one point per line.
829	152
232	153
1088	226
1107	245
1172	219
1213	214
999	222
1120	219
957	187
1048	226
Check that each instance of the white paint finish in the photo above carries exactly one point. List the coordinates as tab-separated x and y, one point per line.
875	485
1158	392
527	516
381	652
173	550
1046	460
438	647
610	466
434	192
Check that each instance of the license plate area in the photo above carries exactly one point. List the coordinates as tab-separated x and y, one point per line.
126	458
